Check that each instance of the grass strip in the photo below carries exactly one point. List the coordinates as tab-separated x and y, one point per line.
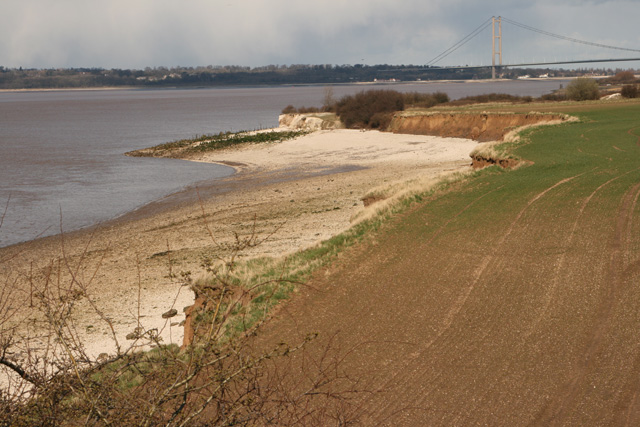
211	142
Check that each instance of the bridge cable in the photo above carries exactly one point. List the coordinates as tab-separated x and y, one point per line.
571	39
461	43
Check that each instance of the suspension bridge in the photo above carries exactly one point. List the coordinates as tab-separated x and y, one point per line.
496	48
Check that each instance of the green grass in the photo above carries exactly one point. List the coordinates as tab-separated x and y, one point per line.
216	142
594	150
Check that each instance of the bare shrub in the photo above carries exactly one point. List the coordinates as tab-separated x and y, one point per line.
491	97
380	120
553	97
219	378
583	89
329	103
357	110
622	77
425	100
373	108
629	91
289	109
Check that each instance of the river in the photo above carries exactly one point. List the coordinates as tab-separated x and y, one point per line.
61	152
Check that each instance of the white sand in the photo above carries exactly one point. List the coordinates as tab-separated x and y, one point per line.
354	147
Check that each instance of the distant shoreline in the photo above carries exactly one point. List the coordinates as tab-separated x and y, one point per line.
69	89
369	83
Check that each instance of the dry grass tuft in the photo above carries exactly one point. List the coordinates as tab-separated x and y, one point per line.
394	195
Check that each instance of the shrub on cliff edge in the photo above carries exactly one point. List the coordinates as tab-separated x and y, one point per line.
629	91
373	108
359	109
583	89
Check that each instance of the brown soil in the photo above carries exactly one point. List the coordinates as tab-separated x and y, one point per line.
477	126
517	320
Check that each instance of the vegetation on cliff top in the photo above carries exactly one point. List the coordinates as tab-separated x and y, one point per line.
371	109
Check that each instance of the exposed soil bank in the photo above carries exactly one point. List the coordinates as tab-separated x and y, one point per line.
480	127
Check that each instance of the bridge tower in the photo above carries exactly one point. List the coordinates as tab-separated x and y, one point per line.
495	20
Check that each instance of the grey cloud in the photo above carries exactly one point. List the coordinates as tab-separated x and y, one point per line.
119	33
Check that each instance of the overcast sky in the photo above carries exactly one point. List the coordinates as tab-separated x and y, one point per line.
141	33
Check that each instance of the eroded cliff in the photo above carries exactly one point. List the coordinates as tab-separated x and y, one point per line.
480	127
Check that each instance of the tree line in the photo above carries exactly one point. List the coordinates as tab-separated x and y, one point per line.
33	78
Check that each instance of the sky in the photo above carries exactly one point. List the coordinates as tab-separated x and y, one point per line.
151	33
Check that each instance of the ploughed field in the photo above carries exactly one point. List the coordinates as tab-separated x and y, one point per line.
512	298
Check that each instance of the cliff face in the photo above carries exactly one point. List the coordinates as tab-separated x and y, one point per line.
315	121
481	126
477	126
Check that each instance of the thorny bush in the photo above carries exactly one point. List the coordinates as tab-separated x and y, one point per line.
219	378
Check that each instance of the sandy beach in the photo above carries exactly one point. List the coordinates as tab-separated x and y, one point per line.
297	192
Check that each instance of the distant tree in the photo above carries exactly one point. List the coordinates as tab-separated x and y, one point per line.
357	111
582	89
329	103
629	91
289	109
623	77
